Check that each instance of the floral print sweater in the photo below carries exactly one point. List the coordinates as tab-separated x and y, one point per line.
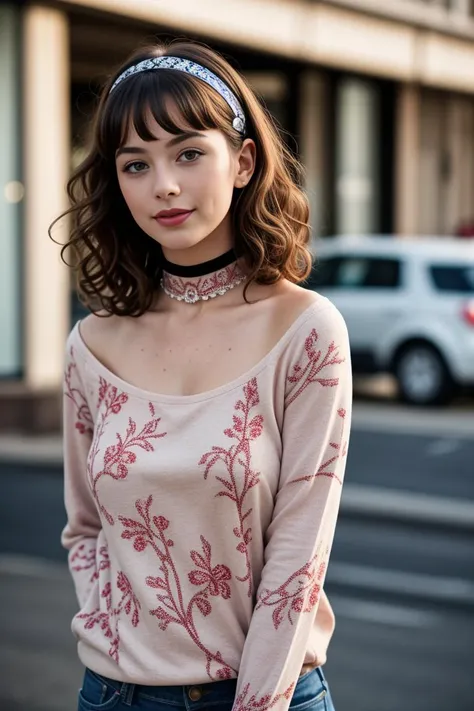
199	527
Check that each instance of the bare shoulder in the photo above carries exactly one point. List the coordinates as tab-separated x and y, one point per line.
290	301
279	306
293	301
101	334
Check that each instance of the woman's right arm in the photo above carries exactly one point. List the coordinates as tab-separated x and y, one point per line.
79	536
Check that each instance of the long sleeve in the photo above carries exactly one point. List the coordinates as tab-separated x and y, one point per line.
315	431
79	536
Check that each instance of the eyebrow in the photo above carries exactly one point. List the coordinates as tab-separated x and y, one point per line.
172	142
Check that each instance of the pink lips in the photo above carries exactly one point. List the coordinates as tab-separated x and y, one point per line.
171	218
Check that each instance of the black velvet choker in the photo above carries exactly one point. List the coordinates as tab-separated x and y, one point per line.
197	270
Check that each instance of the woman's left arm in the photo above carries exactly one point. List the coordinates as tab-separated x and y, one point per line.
315	433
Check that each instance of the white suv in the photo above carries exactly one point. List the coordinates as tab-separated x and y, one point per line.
409	307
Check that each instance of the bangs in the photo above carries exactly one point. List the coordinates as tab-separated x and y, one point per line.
117	263
178	102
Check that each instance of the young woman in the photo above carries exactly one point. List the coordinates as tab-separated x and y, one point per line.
207	402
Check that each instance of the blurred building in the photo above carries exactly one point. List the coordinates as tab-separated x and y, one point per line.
378	95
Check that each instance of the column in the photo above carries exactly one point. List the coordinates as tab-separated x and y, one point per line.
357	157
11	194
313	145
407	156
462	6
459	152
46	160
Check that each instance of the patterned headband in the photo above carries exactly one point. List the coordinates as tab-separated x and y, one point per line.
189	67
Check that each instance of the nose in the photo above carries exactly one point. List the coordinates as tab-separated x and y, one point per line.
166	184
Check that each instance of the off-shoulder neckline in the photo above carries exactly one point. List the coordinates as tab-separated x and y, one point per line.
91	361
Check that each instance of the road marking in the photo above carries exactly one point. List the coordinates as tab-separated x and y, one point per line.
407	506
442	447
32	567
382	613
428	587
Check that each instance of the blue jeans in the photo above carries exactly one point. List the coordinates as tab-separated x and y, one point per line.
101	694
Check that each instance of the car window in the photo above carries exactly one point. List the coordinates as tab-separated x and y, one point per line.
354	272
383	274
453	278
323	273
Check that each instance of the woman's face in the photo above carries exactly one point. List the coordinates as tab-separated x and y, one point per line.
179	188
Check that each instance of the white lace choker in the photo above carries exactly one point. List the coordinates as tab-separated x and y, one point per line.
202	288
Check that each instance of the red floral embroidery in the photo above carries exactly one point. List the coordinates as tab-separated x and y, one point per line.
328	467
109	620
299	593
85	558
303	375
264	703
172	608
118	456
214	578
245	429
104	561
84	423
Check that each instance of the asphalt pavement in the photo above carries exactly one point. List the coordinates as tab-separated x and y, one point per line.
401	577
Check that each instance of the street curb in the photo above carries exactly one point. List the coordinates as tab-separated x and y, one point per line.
46	450
385	419
434	588
406	506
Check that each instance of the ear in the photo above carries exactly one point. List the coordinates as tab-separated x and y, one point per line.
245	163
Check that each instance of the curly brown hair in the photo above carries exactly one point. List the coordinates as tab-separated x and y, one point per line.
117	265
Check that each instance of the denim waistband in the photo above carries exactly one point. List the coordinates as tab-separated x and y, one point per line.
193	696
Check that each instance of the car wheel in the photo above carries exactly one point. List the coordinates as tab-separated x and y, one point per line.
422	375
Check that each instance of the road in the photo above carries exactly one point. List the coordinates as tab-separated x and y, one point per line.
403	591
